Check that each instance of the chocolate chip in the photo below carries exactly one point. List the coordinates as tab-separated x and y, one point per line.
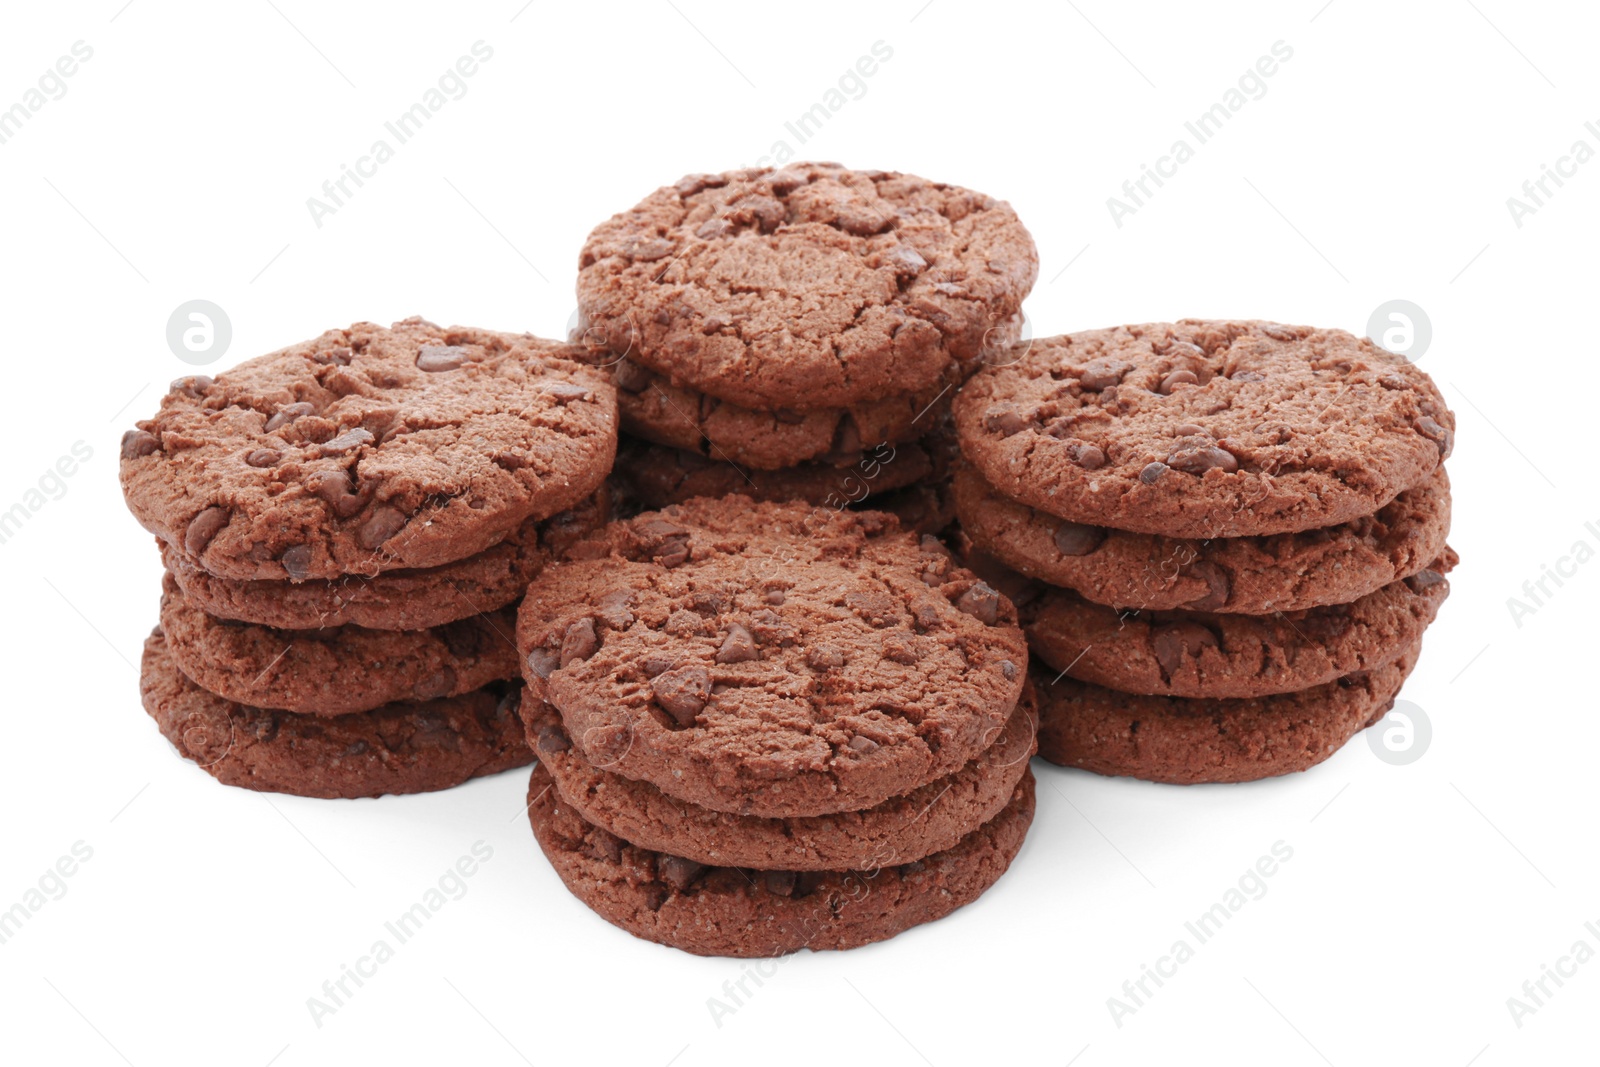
776	597
1089	457
1177	378
1076	539
613	609
678	872
202	528
297	561
136	443
1424	580
288	413
440	683
789	416
1190	429
1173	642
1201	458
646	249
1217	586
846	447
779	883
263	457
665	542
1151	472
690	184
630	377
1103	374
194	385
906	261
580	642
1247	376
382	524
433	358
1004	419
1184	348
682	693
980	601
898	648
334	488
864	745
738	646
822	657
604	845
1279	333
553	739
566	392
348	441
713	228
544	662
1008	669
1434	432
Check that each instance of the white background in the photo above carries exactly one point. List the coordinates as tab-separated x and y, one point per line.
1376	166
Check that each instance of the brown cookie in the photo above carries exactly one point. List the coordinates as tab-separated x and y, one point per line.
368	450
930	818
338	670
813	286
771	659
398	748
1204	428
1201	654
730	911
1239	575
395	600
653	408
656	476
1186	742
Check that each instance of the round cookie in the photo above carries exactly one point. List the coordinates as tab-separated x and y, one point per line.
368	450
398	748
656	476
338	670
930	818
657	410
1204	428
812	286
1238	575
1200	654
400	599
1186	742
730	911
771	659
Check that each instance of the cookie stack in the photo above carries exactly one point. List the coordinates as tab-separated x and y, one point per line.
763	727
347	525
1234	535
798	333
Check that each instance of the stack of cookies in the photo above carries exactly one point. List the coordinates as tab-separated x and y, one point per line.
799	333
347	526
763	727
1233	535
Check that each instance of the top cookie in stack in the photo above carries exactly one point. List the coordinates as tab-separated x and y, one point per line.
1227	515
805	323
344	523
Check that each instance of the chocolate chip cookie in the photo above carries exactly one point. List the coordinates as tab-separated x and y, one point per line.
775	660
654	408
370	449
812	286
1185	742
656	476
403	599
1238	575
340	669
1203	429
398	748
928	819
1202	654
729	911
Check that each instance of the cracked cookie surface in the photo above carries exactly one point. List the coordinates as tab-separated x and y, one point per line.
771	659
811	286
369	449
1201	654
1240	575
398	748
1204	428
